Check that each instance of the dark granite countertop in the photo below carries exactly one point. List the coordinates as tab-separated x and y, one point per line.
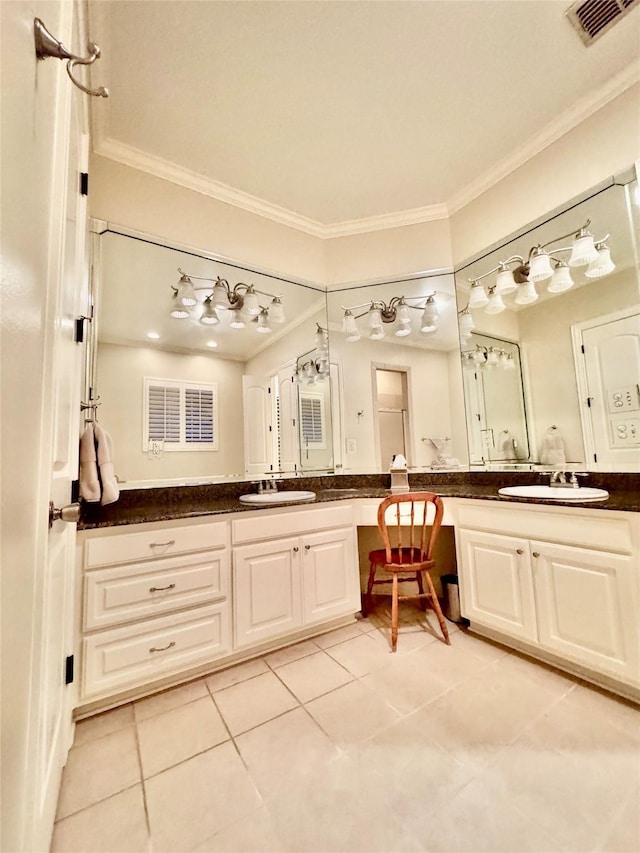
179	502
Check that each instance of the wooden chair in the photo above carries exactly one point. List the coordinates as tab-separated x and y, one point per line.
410	557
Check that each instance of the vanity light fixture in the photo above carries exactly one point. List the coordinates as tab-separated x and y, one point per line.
242	300
521	276
488	358
316	368
398	311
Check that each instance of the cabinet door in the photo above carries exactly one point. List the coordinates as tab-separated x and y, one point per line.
267	590
330	575
587	607
495	583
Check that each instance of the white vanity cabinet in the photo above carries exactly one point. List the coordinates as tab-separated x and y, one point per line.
155	602
293	570
560	581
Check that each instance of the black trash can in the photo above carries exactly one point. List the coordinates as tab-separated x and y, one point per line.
451	595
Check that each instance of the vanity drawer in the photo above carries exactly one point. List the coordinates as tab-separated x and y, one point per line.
137	654
124	593
148	544
267	525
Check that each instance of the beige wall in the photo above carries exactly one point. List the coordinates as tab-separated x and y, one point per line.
606	143
120	376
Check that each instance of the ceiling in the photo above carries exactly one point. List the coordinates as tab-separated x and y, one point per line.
323	112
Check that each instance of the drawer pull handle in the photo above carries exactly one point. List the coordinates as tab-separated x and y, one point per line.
519	551
163	544
161	588
306	547
536	554
163	649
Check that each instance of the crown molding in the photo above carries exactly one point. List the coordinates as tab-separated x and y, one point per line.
550	133
554	130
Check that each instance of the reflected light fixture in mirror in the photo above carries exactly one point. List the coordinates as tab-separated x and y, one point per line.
316	367
584	250
397	311
242	301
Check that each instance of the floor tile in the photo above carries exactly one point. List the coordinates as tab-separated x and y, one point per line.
252	702
623	835
236	674
103	724
285	751
168	699
196	799
98	769
291	653
476	646
361	654
169	738
406	683
348	632
617	712
313	675
253	833
115	825
351	713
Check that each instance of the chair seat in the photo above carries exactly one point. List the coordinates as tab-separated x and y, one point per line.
402	560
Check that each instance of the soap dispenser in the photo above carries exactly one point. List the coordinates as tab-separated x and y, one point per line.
399	474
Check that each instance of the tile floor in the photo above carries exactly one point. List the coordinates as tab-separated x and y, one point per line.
335	744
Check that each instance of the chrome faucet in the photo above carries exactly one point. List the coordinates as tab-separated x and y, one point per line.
559	479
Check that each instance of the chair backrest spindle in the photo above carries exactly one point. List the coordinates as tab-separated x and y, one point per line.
412	552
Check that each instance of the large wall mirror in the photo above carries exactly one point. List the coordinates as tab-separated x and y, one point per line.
395	372
550	345
235	388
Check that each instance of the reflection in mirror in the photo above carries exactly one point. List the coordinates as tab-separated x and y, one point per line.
494	401
572	304
313	392
395	374
201	397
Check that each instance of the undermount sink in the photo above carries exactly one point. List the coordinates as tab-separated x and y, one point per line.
268	498
554	493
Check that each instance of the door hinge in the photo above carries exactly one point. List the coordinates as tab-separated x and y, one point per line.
68	670
75	491
589	399
84	183
595	457
582	348
79	329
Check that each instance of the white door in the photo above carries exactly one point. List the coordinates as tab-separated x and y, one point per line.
267	596
258	455
330	575
612	398
495	583
587	610
288	453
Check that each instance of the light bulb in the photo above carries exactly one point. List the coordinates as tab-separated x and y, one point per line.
186	293
276	311
561	279
263	322
495	305
583	250
477	296
602	265
349	325
527	293
539	266
209	316
505	282
251	305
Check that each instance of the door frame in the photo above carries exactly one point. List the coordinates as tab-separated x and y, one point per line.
408	421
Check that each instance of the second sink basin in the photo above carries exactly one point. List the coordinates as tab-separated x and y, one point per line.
551	493
285	497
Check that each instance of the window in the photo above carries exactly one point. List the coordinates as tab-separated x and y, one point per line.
183	415
312	420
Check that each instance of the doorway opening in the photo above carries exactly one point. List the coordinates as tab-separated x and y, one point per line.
391	406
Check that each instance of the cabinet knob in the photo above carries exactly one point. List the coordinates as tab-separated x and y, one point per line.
306	547
295	548
519	551
536	554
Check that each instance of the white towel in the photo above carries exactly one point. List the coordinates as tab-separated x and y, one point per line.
552	452
104	448
89	483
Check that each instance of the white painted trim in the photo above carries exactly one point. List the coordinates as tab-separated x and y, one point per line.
550	133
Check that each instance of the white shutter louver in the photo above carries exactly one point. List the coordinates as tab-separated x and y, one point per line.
198	416
164	413
312	421
182	415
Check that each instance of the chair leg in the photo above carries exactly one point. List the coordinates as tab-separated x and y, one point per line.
366	604
423	601
394	613
436	606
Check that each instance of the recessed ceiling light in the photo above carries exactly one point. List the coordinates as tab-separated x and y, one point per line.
153	335
212	344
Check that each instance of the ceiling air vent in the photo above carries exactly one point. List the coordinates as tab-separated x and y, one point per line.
592	18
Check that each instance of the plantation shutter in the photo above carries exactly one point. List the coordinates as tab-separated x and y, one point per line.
198	416
311	420
181	415
164	413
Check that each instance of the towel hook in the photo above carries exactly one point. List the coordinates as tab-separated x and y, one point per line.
47	45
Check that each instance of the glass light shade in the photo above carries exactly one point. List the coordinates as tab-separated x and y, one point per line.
375	318
477	296
540	266
402	331
467	361
502	358
209	316
583	250
478	356
561	279
464	339
322	340
377	333
352	338
492	357
495	305
527	293
186	294
297	378
403	314
251	305
505	282
237	320
263	322
349	325
466	323
430	316
510	363
276	311
220	297
177	310
602	265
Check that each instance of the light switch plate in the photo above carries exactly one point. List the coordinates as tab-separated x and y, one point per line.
352	445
